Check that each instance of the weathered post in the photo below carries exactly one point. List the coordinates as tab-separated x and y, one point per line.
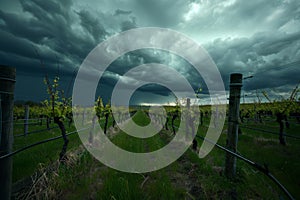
201	117
216	117
48	122
166	124
106	122
175	115
83	117
0	118
26	116
7	84
233	116
187	117
188	103
279	119
91	133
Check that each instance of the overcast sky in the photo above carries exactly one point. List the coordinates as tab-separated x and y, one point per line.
258	37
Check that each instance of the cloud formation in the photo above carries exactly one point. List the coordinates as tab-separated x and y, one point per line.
256	38
271	57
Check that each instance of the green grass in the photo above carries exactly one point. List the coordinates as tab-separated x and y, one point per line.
264	148
115	184
27	162
188	177
138	145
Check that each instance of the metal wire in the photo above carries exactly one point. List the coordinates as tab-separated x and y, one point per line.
41	142
266	131
36	123
37	131
30	119
38	143
0	119
261	168
3	92
7	79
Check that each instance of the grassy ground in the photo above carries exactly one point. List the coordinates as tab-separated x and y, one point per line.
27	162
264	148
187	178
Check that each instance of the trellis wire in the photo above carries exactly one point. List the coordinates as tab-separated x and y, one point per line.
37	131
37	143
266	131
261	168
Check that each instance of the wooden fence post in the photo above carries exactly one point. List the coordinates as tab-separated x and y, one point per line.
106	122
48	122
187	117
83	117
233	116
91	133
201	118
7	84
26	119
0	118
166	124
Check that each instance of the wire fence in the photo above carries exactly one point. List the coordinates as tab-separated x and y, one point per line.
267	131
242	125
264	120
40	130
38	143
262	168
36	131
31	119
43	141
28	123
18	120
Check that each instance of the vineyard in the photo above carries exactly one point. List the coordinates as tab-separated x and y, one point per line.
50	161
149	100
189	177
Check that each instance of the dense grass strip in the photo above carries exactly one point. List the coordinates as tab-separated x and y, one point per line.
187	178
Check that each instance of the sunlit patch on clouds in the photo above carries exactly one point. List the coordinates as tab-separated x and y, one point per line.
194	10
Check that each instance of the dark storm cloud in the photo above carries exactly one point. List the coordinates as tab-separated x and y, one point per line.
22	27
92	25
132	59
252	37
165	13
10	42
122	12
129	24
29	33
208	20
49	29
272	58
46	32
261	12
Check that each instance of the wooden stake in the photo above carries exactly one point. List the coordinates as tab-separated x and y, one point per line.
7	85
187	117
26	119
233	116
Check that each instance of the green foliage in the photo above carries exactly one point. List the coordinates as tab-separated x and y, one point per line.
57	105
28	161
34	111
284	106
99	108
189	177
174	110
107	109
